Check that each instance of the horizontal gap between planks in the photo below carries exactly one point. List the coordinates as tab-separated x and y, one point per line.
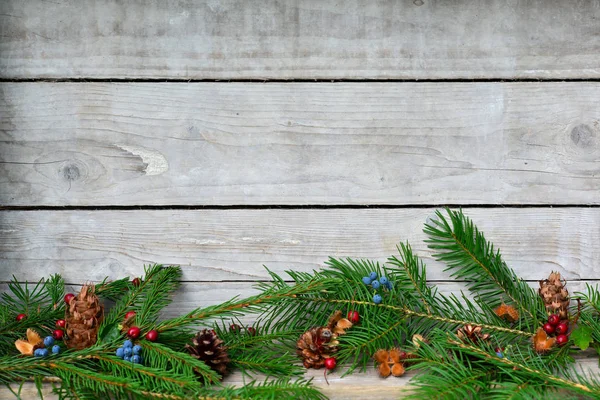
287	207
291	281
268	80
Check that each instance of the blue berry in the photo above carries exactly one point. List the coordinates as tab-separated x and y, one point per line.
367	280
375	284
127	358
499	354
373	275
127	343
120	352
377	299
127	351
137	349
48	341
37	353
136	359
383	280
44	353
55	349
389	285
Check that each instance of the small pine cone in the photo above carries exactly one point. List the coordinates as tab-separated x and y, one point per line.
83	317
206	346
472	333
315	345
555	295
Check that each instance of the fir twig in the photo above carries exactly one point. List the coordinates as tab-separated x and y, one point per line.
471	257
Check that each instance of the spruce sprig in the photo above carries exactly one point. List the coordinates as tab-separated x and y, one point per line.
470	257
147	299
589	315
40	302
450	362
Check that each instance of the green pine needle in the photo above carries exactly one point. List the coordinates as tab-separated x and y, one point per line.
472	258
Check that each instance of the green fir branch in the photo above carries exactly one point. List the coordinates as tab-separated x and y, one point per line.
465	250
113	290
282	388
266	352
589	315
238	307
40	302
147	300
161	357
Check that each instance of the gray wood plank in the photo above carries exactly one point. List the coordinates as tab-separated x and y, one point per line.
233	245
300	39
341	143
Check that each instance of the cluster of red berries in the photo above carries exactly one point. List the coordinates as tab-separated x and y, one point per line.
555	326
134	332
59	332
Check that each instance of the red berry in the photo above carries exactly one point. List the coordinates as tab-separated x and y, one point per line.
21	316
129	314
549	328
133	332
69	297
562	328
403	355
152	335
58	334
353	317
553	319
136	282
61	323
235	328
330	363
499	349
561	340
251	331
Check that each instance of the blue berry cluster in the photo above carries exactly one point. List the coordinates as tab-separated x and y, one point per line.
129	352
377	283
48	343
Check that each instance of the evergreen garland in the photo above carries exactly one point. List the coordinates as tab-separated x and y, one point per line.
462	347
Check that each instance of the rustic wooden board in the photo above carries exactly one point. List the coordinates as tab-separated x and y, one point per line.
300	143
233	245
302	39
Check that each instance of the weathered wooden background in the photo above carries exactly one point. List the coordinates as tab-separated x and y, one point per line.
223	135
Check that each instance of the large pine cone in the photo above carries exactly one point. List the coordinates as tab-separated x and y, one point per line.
555	295
207	346
83	317
315	345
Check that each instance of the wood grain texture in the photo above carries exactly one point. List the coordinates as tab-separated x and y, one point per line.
233	245
300	143
300	39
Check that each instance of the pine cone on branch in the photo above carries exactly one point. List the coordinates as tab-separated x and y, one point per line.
319	343
555	295
315	345
83	317
206	346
